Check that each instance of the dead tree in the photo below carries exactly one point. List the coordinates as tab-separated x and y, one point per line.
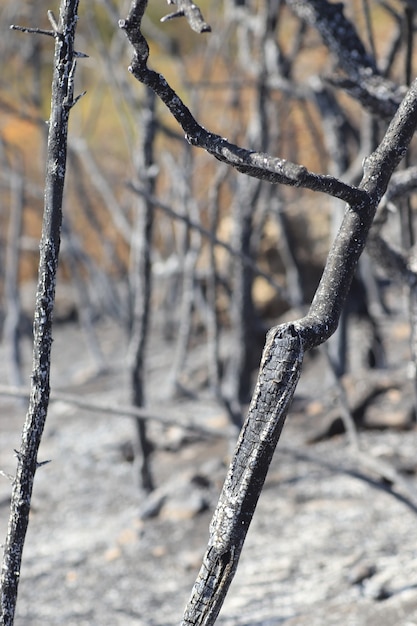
141	286
286	344
27	456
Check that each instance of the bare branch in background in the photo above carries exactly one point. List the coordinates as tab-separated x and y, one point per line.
246	260
155	414
191	12
363	80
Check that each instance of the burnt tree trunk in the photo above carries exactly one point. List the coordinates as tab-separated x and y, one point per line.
27	462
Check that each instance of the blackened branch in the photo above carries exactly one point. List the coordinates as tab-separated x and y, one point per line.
256	164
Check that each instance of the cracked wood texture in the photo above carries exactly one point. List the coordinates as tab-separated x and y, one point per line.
278	377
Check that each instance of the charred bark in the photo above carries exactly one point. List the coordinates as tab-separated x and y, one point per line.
27	462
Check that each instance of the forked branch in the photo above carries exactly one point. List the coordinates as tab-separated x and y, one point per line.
285	346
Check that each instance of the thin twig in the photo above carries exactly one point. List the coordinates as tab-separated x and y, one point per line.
36	31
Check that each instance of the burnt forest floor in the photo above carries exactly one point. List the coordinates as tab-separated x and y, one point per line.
334	537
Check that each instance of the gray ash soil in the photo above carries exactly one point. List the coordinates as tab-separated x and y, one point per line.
329	544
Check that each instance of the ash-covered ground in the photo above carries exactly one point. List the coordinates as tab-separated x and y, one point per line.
333	540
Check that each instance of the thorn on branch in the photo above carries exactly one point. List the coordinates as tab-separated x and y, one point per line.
171	16
53	22
191	12
70	103
41	463
21	457
6	475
